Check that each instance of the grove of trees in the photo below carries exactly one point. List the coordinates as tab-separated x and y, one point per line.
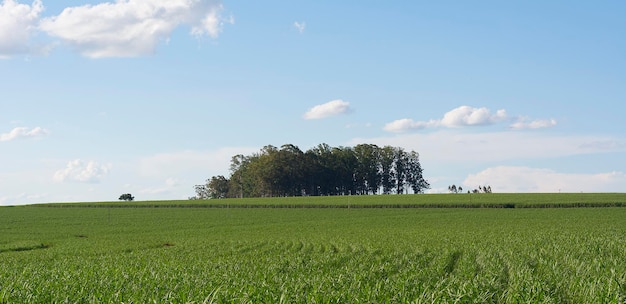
321	170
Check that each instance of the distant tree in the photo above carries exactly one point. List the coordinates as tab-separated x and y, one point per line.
453	189
415	177
344	167
292	177
238	165
126	197
460	189
483	189
320	177
388	176
202	192
217	187
367	174
400	169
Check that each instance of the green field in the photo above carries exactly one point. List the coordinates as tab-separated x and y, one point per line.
317	255
481	200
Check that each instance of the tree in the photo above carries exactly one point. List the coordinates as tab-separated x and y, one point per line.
400	165
320	176
343	166
453	189
126	197
217	187
415	177
292	177
388	176
238	163
201	192
368	178
483	189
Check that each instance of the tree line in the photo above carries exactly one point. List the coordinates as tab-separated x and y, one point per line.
322	170
481	189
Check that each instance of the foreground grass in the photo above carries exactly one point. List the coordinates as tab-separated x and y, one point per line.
482	200
141	255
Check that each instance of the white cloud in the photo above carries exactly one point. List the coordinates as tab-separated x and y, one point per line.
18	23
459	117
468	116
331	108
465	116
406	124
525	179
456	146
300	26
129	28
22	132
523	124
82	171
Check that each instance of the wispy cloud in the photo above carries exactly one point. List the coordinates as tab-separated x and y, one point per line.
526	179
22	198
446	146
23	132
18	23
407	124
191	163
331	108
524	123
466	116
300	26
82	171
169	185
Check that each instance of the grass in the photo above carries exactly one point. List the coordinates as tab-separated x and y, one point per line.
313	255
481	200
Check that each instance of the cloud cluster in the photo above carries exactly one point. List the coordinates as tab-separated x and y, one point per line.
466	116
18	23
82	171
22	132
526	179
331	108
124	28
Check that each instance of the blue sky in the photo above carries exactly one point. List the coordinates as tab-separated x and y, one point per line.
152	97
